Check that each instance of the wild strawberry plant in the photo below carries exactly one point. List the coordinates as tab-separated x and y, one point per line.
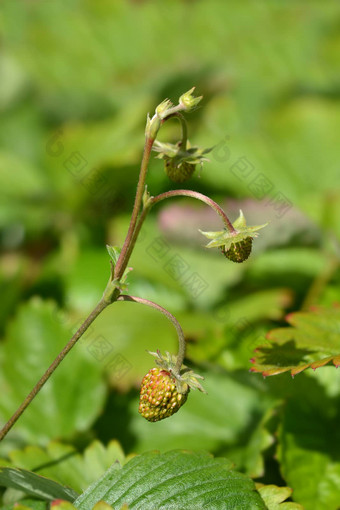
178	478
235	242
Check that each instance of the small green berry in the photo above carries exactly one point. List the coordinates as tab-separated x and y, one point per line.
239	252
178	173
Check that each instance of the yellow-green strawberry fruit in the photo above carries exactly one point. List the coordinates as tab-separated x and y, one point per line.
180	173
159	397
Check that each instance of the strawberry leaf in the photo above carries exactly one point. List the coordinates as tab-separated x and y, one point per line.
35	485
175	479
312	341
275	496
308	446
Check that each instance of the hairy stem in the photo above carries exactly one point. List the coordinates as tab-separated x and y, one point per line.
168	315
198	196
135	233
127	248
103	303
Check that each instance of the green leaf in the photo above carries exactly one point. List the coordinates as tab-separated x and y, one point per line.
312	341
275	496
72	398
35	485
309	446
65	465
176	479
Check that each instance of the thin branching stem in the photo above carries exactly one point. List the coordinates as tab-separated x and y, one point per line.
197	196
168	315
128	246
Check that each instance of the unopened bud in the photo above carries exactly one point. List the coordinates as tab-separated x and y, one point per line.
188	101
152	127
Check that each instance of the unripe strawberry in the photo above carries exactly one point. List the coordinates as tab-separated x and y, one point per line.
164	390
239	252
159	397
178	173
236	242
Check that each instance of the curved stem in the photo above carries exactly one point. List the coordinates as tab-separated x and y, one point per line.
168	315
198	196
126	251
103	303
183	122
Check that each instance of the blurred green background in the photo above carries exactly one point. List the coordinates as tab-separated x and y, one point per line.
77	79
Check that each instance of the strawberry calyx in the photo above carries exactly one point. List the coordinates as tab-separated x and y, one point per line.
185	380
180	161
235	245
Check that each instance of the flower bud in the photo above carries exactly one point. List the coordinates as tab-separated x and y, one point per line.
152	127
188	101
163	108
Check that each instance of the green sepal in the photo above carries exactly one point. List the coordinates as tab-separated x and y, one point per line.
224	238
146	198
163	108
114	252
152	126
192	155
188	101
185	379
123	280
